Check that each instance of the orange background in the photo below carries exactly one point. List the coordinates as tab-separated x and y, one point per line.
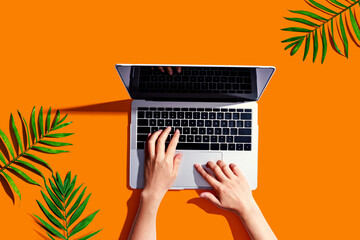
62	54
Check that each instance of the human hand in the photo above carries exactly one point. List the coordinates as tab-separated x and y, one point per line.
169	69
231	187
161	167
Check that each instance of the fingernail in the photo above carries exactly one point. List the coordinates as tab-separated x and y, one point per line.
149	134
168	127
177	131
160	130
197	165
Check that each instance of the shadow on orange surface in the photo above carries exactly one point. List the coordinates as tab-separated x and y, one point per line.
132	205
7	188
115	107
237	228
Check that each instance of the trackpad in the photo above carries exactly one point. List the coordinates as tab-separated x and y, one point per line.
188	176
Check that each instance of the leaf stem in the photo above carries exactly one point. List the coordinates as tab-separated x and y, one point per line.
22	154
336	15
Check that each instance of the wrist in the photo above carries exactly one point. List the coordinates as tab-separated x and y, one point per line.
151	198
249	208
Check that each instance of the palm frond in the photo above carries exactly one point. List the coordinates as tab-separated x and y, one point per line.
321	25
59	214
23	152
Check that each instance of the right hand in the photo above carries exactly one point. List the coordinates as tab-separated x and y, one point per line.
232	190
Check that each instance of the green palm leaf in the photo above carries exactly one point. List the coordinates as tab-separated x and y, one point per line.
28	148
335	11
58	213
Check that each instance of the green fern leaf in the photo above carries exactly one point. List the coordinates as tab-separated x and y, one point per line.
59	217
325	23
29	146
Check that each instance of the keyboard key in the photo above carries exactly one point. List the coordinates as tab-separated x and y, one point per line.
217	131
143	108
215	146
247	147
141	138
245	131
204	115
164	114
216	123
210	131
148	114
180	115
247	123
225	131
172	114
235	116
194	131
247	110
152	122
246	116
140	145
240	124
193	146
205	138
227	115
168	122
182	138
143	122
176	123
186	130
239	147
220	116
212	115
156	114
196	115
221	138
201	131
192	123
231	123
188	115
239	110
184	123
197	138
200	123
143	130
229	139
154	129
223	146
231	147
224	123
160	122
233	131
242	139
189	138
214	139
141	114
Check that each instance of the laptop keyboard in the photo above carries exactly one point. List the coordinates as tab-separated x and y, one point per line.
225	129
196	80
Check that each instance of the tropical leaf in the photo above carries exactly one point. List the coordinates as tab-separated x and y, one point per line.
35	139
322	23
59	212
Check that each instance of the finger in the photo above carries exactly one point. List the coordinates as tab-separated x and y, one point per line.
210	179
177	160
146	147
151	143
152	68
178	69
160	146
161	69
169	70
170	151
236	170
225	168
217	170
211	197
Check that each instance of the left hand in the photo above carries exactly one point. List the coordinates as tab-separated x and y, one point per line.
161	167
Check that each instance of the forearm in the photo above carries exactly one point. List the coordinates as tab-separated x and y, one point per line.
144	226
255	223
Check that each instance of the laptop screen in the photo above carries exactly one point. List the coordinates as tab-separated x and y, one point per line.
193	83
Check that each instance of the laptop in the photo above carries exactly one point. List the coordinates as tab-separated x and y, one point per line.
213	106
